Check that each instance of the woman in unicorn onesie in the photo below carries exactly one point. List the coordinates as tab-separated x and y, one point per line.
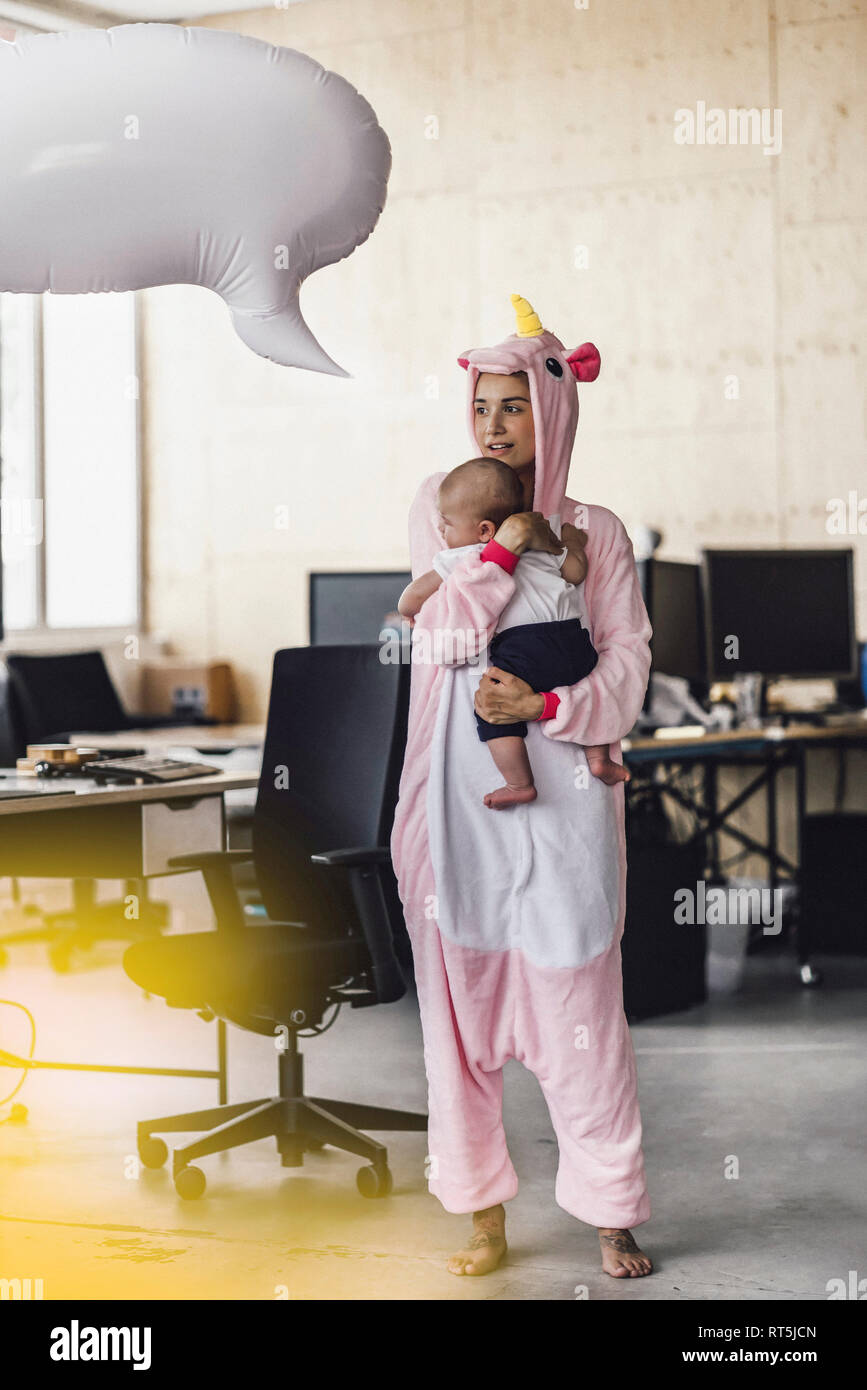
515	918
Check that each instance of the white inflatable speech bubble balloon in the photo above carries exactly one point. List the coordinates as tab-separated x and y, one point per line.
153	154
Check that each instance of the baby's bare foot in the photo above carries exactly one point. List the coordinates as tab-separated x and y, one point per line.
621	1257
608	772
509	796
486	1246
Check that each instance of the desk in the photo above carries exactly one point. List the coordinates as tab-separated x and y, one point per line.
90	831
854	729
770	749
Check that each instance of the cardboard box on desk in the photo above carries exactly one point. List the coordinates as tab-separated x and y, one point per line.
189	689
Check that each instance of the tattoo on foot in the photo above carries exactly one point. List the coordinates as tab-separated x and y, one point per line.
480	1239
622	1241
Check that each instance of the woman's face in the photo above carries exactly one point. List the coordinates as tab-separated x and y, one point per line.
504	419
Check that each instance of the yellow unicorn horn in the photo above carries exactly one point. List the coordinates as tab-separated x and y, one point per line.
528	320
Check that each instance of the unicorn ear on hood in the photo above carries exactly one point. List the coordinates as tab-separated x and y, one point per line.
585	362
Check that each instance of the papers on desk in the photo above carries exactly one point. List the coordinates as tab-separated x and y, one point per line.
680	731
10	793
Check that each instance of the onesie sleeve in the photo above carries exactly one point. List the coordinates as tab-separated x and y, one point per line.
441	566
604	706
446	561
470	599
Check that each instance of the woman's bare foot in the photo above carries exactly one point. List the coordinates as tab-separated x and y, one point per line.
621	1257
485	1247
607	771
509	796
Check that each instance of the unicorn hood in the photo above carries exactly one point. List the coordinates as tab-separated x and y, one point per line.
553	374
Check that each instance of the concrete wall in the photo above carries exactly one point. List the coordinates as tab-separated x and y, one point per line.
555	130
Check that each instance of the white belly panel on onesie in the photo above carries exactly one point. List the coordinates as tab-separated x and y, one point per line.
512	878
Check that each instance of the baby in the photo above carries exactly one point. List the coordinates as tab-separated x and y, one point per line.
553	649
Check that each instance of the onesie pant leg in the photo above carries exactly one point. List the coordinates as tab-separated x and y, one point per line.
465	1026
572	1034
478	1008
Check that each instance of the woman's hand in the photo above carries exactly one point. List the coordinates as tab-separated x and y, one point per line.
504	699
527	531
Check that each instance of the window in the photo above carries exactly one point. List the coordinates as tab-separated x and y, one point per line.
69	485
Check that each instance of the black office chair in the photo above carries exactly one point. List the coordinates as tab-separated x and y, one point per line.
72	692
333	752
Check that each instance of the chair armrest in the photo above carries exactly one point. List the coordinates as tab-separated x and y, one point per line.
364	866
352	858
216	867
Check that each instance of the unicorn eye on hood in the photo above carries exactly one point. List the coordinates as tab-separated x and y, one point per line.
552	373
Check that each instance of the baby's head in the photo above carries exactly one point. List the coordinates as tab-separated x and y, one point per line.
475	499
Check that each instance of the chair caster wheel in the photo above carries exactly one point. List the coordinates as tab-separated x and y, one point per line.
374	1182
17	1115
810	976
152	1152
189	1183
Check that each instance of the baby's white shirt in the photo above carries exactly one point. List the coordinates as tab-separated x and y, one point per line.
541	595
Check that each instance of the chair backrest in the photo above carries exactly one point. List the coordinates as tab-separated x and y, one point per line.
11	737
63	693
333	754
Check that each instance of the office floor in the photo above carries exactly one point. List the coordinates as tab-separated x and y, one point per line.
773	1077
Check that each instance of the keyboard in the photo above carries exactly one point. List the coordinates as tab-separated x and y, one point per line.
148	768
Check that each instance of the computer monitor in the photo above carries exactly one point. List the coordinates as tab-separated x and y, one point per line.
350	607
673	597
792	612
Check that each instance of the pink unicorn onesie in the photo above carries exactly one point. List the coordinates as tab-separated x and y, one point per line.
515	920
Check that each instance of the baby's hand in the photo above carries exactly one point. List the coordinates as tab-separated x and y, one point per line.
574	566
572	538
